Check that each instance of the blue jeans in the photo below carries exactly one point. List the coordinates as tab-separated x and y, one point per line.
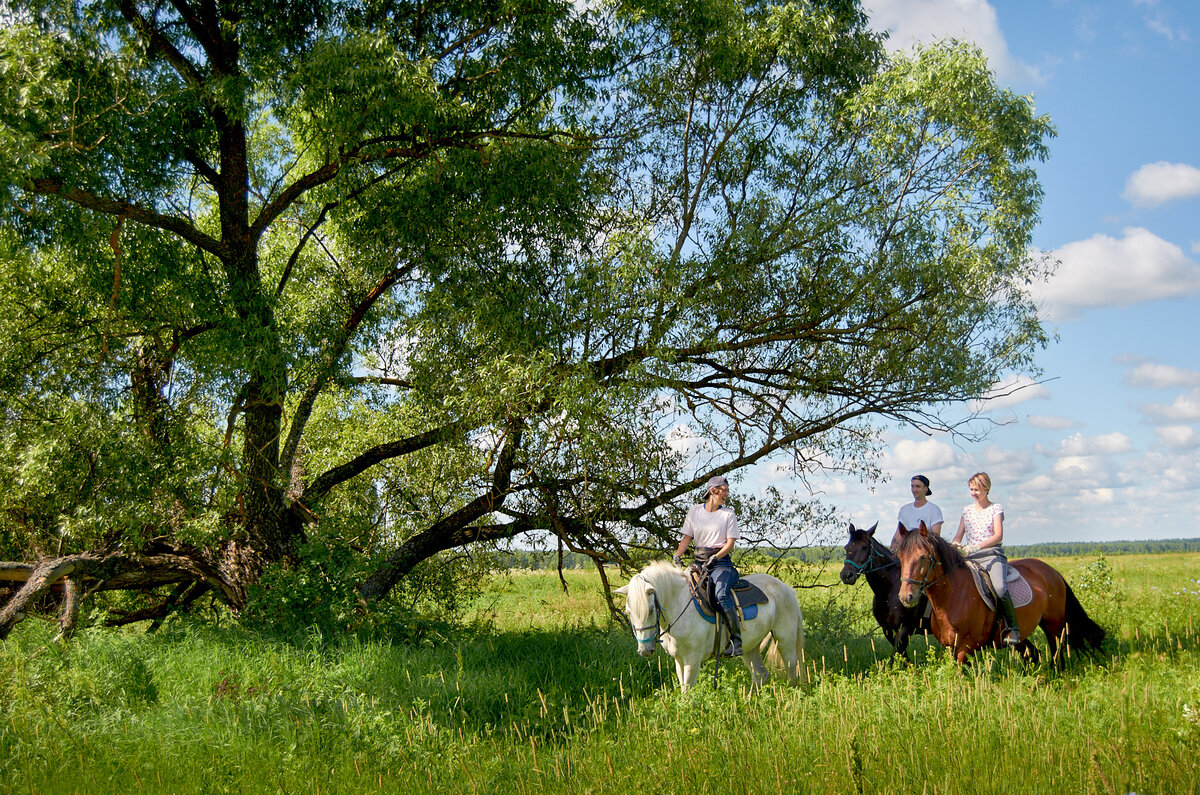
724	576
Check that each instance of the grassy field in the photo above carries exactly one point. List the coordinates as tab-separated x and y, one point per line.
538	691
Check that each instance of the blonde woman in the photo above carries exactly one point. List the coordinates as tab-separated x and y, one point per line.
982	529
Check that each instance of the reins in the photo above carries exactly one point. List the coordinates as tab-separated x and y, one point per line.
657	624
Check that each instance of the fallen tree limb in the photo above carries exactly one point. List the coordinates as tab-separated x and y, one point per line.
93	572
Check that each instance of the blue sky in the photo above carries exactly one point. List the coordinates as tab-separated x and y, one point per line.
1107	445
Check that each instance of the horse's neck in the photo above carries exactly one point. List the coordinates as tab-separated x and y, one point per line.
941	592
886	580
672	593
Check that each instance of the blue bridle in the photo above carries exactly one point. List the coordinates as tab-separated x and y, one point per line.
872	553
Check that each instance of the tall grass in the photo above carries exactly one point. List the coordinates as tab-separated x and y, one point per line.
540	692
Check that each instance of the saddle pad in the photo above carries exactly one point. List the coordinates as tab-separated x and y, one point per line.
749	612
1018	588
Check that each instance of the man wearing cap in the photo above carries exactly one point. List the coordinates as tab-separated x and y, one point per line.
919	510
714	528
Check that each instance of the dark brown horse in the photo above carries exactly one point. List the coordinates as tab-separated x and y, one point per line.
867	557
964	623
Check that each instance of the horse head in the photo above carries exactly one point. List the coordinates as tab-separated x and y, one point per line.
643	610
925	558
858	553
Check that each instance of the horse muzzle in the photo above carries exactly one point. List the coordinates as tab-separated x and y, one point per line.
909	599
647	651
849	577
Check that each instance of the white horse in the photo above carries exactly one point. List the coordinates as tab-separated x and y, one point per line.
661	610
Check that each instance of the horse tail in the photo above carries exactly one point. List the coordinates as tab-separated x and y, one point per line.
1081	629
801	662
770	645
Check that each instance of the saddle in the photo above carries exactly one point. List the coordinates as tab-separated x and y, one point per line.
1018	588
746	594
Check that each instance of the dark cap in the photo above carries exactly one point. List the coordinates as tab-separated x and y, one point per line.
925	480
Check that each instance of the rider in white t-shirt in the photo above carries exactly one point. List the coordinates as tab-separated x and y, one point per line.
919	510
713	527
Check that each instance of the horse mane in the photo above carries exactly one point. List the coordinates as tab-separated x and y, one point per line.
660	567
951	558
658	573
874	545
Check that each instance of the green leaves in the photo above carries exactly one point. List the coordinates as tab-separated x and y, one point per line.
484	268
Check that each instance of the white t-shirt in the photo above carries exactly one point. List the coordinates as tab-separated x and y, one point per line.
710	528
978	524
912	516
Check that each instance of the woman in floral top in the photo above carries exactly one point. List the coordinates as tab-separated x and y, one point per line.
982	528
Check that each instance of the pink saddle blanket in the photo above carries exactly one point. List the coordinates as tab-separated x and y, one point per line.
1018	588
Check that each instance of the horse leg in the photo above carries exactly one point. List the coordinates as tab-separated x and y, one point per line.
900	643
1053	631
686	675
753	660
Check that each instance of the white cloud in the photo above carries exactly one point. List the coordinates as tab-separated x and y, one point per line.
929	454
1156	183
1084	471
1104	271
1170	479
1009	393
1080	446
912	21
1178	437
1149	375
1185	408
1006	467
1049	423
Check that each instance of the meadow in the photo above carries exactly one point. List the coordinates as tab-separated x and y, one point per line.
536	689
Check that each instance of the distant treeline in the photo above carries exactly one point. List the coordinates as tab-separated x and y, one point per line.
531	559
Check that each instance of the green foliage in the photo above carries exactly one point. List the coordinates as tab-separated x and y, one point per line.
410	279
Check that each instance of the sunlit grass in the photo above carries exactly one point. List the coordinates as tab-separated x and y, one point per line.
541	693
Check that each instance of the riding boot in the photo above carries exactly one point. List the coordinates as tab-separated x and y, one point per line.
1011	634
734	649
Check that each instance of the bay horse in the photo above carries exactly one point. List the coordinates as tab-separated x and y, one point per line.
867	557
964	623
662	611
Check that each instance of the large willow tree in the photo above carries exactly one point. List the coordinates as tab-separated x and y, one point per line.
397	278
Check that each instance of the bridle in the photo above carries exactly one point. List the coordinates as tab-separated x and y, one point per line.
923	584
873	553
656	625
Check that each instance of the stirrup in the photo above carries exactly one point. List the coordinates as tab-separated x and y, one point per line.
1011	636
732	649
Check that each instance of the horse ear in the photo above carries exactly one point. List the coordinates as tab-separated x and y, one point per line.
901	531
923	530
871	532
852	528
623	590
